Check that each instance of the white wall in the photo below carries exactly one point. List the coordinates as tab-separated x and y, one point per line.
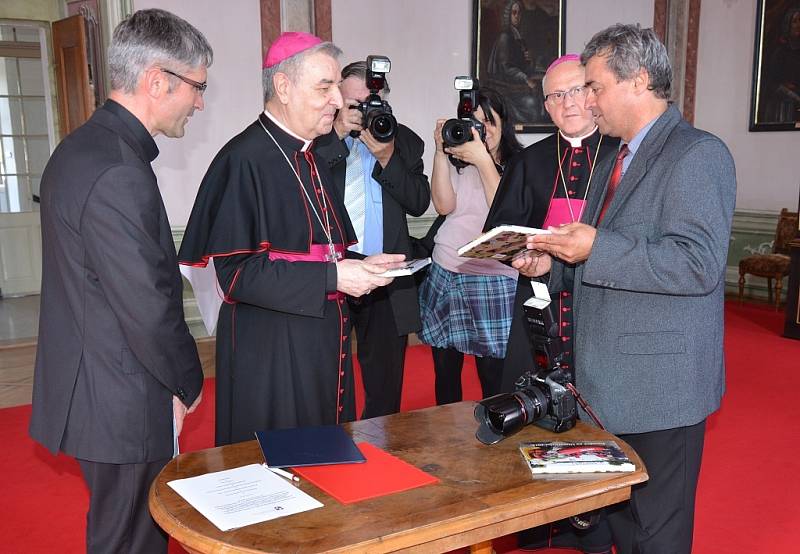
429	43
767	163
233	99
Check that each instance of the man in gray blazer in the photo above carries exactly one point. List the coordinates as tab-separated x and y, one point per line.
116	368
648	280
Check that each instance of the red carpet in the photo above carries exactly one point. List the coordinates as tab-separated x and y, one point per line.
748	486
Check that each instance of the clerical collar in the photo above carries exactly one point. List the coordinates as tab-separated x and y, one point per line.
285	129
575	142
140	133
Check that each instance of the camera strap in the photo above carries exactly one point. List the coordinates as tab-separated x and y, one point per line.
585	405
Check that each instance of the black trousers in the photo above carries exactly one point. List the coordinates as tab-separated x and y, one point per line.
659	518
119	519
447	365
381	353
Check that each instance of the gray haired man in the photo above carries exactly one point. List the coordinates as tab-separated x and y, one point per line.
269	217
649	283
116	368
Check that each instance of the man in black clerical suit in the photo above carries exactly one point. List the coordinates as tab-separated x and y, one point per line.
116	368
268	215
380	182
547	185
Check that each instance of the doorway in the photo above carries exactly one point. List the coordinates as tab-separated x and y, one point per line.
27	138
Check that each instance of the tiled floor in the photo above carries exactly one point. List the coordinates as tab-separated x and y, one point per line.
19	325
19	318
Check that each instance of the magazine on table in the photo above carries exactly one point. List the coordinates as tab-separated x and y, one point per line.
575	457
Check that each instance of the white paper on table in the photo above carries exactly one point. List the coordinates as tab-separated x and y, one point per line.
206	292
243	496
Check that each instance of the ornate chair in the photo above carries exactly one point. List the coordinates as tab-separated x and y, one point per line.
774	265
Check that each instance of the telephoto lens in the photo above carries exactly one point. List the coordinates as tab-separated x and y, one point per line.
502	415
540	398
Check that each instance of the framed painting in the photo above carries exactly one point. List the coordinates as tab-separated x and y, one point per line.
513	42
775	102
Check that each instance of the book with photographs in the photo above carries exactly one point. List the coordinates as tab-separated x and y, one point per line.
575	457
501	243
409	268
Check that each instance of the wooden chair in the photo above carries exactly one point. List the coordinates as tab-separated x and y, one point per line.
774	265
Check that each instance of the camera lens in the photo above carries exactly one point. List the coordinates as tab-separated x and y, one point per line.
381	124
383	127
456	132
503	415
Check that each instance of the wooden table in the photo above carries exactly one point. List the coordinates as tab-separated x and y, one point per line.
485	492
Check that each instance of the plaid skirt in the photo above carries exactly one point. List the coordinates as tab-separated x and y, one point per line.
471	313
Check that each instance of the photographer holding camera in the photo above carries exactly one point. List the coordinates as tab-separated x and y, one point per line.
377	168
466	303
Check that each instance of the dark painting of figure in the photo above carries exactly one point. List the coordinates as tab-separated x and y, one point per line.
778	74
515	41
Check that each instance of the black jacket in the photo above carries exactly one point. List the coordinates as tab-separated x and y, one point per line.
405	192
113	343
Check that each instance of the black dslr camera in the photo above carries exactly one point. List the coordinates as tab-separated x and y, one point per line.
377	112
458	131
541	397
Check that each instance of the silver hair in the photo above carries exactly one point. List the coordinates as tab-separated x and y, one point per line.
150	37
507	11
629	48
292	66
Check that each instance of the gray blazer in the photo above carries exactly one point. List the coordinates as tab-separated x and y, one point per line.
649	300
113	343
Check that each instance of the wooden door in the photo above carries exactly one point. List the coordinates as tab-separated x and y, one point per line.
75	95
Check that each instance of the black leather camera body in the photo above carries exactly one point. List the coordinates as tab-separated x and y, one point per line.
377	113
541	394
458	131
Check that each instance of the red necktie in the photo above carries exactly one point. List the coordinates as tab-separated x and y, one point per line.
613	183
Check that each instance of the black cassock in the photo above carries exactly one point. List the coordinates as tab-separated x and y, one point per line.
533	193
283	349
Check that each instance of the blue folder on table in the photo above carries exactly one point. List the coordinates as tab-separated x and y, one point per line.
308	446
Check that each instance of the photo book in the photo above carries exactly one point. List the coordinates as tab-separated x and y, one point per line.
575	457
409	268
501	243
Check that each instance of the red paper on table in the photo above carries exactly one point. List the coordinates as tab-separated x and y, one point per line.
381	474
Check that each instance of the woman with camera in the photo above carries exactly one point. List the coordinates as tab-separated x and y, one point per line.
466	304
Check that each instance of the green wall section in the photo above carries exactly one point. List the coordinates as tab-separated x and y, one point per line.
39	10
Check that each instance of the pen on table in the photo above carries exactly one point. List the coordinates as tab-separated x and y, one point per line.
284	474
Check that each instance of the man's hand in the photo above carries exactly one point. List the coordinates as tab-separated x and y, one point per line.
381	150
196	403
359	277
571	243
179	411
348	119
532	263
386	261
